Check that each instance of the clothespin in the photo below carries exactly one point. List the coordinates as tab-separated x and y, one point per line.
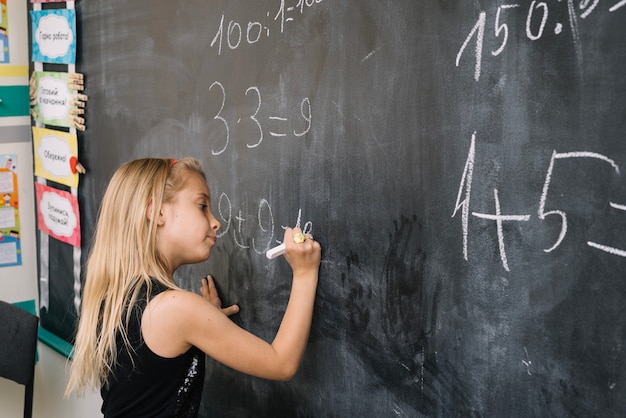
76	167
77	122
79	100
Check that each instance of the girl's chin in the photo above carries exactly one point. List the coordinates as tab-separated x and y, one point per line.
199	258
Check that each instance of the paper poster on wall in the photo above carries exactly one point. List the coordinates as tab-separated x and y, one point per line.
54	36
56	100
55	156
4	33
57	214
10	249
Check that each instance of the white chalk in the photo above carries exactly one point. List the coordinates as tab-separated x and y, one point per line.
276	251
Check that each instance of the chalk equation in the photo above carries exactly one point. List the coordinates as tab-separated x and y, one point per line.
465	190
527	362
537	19
244	228
254	119
235	34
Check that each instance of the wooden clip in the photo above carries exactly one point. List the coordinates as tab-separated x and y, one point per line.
81	97
77	103
78	122
76	166
76	77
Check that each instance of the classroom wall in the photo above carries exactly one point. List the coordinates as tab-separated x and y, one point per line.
19	283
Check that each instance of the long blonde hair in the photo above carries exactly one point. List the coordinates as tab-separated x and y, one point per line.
123	258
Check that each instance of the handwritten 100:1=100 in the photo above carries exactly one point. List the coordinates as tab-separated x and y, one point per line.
234	33
537	18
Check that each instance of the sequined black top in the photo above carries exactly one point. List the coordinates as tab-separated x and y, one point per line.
149	385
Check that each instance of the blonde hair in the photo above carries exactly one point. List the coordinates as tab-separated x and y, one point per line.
123	258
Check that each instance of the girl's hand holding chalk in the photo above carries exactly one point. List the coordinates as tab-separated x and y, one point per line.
280	249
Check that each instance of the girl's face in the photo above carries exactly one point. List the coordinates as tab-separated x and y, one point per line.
187	229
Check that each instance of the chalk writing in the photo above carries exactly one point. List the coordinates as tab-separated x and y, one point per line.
606	248
253	118
617	5
234	34
465	190
536	23
285	12
499	218
527	362
542	202
468	175
244	228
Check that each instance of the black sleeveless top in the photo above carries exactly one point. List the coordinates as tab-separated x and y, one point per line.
148	385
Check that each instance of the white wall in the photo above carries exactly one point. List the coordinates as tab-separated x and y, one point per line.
19	283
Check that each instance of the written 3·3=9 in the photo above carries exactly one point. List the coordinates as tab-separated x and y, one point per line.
255	120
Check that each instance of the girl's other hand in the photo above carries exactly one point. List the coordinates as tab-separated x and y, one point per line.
209	293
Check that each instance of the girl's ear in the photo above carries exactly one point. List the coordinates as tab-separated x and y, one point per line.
150	212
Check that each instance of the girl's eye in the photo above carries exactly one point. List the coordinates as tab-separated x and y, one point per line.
203	206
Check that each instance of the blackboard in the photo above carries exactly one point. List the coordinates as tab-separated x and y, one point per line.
461	164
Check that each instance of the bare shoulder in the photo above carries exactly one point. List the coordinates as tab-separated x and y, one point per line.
176	295
172	303
166	318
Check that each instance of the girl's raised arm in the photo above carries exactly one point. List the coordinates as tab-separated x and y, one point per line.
176	320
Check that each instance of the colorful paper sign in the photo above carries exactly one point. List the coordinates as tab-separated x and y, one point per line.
54	36
57	214
54	98
4	33
55	156
10	248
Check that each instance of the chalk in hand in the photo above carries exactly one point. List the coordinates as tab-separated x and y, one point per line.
276	251
280	250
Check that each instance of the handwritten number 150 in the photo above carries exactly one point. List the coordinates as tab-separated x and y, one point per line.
501	29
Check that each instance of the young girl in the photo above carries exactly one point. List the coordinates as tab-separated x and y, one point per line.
141	339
